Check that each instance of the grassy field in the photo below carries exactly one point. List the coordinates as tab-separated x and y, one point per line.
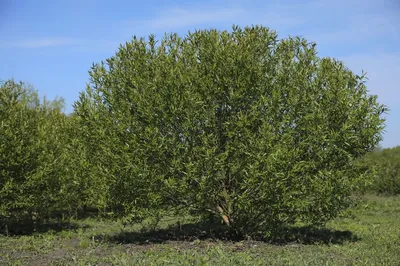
369	236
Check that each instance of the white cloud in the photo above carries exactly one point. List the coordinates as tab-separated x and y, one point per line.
182	18
358	29
190	17
37	43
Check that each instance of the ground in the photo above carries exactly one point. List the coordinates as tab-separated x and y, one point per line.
369	236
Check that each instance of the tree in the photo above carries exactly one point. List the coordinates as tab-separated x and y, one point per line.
385	170
239	125
34	163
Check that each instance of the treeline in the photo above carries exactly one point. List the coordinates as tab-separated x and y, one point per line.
240	125
384	165
41	161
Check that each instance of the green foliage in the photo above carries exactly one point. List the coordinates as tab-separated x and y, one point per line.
34	180
385	168
235	124
83	151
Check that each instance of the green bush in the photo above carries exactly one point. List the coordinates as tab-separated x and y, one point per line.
82	150
385	169
34	172
237	125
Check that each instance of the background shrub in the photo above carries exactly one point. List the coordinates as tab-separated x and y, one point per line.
35	179
385	168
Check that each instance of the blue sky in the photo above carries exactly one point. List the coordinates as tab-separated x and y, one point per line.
52	44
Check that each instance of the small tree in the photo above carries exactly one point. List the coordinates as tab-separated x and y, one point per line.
238	124
34	172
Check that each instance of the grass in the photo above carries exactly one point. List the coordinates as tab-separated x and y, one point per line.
370	236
